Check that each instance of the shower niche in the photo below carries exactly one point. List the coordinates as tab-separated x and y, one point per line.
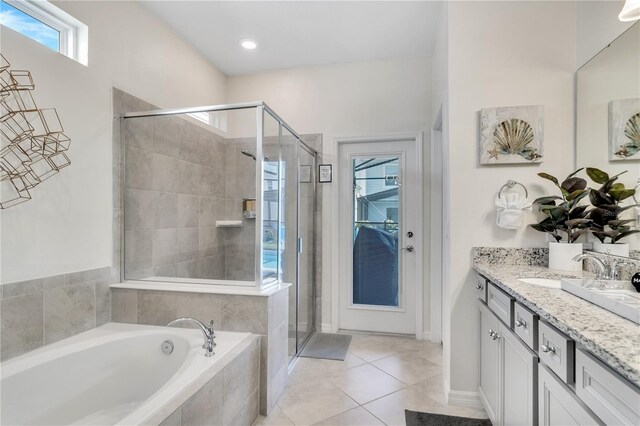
211	196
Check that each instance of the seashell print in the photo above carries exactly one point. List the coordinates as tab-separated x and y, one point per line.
513	137
632	133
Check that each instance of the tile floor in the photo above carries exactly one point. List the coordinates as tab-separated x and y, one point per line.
380	378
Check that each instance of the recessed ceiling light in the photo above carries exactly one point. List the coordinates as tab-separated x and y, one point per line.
248	44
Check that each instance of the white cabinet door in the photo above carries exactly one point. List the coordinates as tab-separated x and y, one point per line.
519	381
489	362
557	405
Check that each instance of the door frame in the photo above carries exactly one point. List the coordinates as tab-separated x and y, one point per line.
417	139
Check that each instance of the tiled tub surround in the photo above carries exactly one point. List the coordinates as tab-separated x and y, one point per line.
42	311
265	315
611	338
231	397
72	381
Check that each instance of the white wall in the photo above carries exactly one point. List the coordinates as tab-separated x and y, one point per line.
597	26
67	226
500	54
360	99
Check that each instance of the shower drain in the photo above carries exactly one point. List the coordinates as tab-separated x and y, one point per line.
167	346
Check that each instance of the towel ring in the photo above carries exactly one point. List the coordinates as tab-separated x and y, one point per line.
510	184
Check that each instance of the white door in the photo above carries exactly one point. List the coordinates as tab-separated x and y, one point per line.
380	210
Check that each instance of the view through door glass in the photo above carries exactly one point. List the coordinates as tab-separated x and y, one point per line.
376	208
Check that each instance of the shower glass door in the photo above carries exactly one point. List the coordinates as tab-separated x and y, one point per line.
306	246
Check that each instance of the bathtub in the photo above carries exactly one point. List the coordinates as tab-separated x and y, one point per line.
113	374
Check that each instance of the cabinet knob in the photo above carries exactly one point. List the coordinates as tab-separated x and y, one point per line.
520	323
546	348
478	286
493	334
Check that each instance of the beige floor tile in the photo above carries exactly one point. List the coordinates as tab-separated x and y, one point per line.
371	348
480	415
312	402
409	367
390	409
307	370
366	383
277	418
354	417
433	389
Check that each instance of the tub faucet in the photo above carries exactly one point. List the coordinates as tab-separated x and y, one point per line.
207	331
603	270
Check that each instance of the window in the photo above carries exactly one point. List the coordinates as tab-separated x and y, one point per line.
48	25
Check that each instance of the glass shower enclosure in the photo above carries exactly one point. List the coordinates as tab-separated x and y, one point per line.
221	195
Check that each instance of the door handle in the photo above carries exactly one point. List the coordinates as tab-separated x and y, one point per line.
408	248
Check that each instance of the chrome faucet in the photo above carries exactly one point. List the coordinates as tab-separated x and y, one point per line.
207	331
604	273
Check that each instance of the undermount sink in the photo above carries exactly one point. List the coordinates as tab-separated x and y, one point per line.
541	282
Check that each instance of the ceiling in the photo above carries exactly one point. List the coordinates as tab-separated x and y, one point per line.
294	34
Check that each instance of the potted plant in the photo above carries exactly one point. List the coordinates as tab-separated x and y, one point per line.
565	220
606	224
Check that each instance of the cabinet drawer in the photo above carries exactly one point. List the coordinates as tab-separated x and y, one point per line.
501	304
525	324
481	288
556	351
609	396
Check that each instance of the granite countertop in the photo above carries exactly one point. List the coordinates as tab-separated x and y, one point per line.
609	337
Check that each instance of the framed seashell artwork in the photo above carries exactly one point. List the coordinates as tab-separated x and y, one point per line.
624	130
512	135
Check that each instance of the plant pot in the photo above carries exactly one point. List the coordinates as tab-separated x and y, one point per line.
561	256
617	249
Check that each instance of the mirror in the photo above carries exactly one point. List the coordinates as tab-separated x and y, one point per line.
608	126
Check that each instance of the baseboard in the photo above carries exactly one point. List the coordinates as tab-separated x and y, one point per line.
465	399
426	335
326	328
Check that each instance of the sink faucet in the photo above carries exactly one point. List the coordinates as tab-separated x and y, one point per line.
603	270
207	331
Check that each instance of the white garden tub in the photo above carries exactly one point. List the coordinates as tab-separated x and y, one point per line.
113	374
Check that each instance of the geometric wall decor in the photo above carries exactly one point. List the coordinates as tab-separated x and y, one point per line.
624	129
32	142
511	135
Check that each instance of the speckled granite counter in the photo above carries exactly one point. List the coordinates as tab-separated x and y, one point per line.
612	339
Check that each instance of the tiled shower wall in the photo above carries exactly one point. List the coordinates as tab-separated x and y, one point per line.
180	179
174	193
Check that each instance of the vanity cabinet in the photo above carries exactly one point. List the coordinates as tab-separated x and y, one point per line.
532	373
558	405
508	373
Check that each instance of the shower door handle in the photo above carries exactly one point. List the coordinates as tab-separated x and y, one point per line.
299	245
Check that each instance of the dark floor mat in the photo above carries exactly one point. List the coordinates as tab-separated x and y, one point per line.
416	418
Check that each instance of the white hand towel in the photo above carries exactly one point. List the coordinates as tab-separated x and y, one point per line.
511	208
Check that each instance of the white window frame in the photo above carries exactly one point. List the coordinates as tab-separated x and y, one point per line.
74	35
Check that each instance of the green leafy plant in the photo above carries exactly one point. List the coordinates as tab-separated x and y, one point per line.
605	215
563	214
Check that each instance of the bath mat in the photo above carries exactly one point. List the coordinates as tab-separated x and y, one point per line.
327	346
416	418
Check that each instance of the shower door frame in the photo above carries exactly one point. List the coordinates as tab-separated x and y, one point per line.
314	154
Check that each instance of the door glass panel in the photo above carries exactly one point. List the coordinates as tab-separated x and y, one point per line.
376	213
306	185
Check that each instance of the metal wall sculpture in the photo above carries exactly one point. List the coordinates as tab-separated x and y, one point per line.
32	145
